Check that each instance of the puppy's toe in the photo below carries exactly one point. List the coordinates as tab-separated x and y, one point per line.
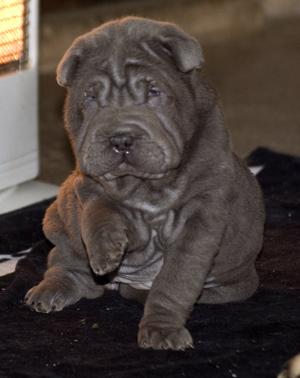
43	298
101	267
165	338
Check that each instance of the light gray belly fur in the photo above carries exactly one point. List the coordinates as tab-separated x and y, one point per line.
139	269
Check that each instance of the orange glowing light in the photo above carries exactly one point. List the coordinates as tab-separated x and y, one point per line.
12	30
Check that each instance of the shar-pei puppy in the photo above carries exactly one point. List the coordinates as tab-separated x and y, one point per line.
158	206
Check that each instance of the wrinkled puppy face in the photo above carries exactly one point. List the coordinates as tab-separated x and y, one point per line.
128	97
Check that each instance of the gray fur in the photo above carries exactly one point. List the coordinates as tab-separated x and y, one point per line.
158	202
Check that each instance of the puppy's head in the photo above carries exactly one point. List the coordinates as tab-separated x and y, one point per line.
130	105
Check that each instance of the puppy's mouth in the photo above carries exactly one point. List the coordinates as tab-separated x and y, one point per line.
128	163
126	155
125	169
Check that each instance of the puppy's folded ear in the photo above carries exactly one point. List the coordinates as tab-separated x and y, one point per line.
185	50
69	63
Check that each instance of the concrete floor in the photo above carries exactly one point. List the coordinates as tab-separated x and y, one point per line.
255	70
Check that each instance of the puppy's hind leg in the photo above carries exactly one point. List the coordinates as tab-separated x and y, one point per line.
236	292
62	285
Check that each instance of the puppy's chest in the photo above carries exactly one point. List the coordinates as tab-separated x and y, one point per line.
154	232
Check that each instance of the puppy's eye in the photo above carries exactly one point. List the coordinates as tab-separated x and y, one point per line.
153	91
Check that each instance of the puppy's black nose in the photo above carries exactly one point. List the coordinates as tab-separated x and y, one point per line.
121	142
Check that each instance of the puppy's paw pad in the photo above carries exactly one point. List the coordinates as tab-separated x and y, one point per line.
106	254
100	267
119	239
165	338
114	242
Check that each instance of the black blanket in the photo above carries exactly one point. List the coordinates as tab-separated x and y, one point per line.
97	338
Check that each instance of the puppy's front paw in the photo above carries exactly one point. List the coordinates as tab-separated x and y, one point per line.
164	338
48	296
107	249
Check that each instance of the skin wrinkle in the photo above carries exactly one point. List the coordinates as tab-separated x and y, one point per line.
183	220
165	148
169	130
103	94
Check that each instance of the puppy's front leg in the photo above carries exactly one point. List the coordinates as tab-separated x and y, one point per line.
105	235
178	285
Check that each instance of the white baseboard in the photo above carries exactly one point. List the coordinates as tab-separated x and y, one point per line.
21	169
25	194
